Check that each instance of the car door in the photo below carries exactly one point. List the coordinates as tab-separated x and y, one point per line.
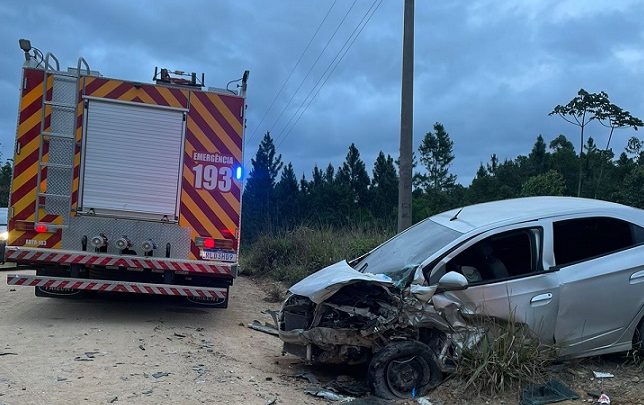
601	268
526	293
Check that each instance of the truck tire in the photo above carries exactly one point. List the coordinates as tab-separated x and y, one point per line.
200	302
404	370
56	293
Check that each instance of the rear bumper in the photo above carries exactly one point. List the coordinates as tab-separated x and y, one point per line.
24	255
65	283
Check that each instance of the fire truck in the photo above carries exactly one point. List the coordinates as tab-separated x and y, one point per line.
123	186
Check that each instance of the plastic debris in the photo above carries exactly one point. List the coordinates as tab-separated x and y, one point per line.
601	374
603	399
310	377
423	401
266	328
330	395
542	394
160	374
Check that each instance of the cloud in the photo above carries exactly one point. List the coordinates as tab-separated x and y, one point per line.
489	70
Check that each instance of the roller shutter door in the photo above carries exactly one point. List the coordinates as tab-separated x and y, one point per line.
132	158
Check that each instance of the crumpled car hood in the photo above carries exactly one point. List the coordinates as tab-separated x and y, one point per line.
323	284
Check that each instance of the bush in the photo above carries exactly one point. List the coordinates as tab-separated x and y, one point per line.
508	356
293	255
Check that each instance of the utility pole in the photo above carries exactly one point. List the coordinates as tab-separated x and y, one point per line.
406	119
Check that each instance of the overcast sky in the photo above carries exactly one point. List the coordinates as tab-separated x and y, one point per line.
490	71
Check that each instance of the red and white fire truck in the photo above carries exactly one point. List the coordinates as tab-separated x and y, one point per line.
122	186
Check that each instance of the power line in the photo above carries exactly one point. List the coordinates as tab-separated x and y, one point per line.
352	38
313	65
253	133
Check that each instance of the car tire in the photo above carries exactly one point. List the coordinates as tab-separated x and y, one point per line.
638	340
404	369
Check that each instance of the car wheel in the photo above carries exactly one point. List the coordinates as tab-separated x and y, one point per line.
404	370
638	341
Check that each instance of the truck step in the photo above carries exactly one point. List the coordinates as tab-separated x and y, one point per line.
64	283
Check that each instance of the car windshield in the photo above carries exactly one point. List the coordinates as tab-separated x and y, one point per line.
409	248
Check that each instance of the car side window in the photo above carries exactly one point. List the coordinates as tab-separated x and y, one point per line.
581	239
504	255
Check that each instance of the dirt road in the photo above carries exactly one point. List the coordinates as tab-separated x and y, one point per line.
151	350
142	350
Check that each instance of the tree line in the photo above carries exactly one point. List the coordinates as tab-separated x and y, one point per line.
275	199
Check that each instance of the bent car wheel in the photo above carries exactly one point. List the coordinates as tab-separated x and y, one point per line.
404	370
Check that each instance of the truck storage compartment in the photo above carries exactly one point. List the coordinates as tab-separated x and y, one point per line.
132	160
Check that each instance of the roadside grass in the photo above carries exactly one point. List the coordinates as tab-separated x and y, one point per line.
508	356
289	256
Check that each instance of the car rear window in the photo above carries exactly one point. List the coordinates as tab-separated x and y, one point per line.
584	238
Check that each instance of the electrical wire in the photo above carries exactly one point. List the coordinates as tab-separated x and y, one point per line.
306	48
313	65
350	41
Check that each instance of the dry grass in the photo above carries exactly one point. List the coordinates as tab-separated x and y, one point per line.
293	255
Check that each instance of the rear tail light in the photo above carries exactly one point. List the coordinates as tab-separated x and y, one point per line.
41	228
211	243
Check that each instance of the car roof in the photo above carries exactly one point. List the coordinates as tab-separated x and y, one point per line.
517	210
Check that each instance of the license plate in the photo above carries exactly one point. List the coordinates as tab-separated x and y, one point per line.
219	255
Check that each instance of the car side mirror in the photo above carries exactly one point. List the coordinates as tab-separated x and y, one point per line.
452	281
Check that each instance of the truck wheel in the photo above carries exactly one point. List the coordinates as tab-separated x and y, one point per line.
404	370
56	292
205	302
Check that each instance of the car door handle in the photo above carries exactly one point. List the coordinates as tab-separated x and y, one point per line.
637	277
541	299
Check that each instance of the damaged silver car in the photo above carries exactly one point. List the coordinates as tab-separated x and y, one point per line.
570	269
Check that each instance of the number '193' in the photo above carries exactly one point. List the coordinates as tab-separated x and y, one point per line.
212	177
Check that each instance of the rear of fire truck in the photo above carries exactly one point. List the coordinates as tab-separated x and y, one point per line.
121	186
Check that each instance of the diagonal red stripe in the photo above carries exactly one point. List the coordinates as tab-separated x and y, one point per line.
218	116
180	96
155	95
208	131
119	91
33	78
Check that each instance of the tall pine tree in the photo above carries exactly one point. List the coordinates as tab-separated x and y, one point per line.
259	193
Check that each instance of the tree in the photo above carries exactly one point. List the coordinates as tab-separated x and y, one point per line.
353	174
384	188
538	157
260	187
563	159
287	197
436	154
548	183
5	183
580	111
614	117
